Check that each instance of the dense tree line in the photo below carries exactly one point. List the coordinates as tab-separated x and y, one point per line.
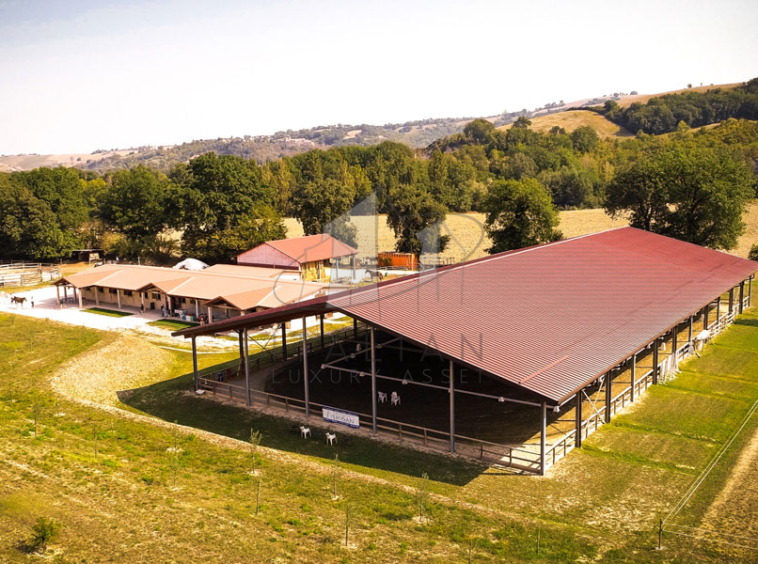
692	184
663	114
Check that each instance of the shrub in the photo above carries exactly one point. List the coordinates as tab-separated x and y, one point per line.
44	531
753	254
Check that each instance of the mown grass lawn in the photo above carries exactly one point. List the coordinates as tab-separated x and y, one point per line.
172	324
107	312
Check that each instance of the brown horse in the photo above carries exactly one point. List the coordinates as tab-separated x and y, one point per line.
17	300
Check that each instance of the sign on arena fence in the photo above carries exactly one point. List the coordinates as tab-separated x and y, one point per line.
341	417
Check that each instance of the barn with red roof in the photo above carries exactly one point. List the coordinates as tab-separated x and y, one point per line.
513	358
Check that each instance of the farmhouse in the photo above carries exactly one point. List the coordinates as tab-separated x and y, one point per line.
313	256
219	291
514	358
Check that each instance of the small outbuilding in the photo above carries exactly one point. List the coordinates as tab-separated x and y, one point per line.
313	256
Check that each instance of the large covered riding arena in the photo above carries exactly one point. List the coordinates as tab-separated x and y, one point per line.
513	359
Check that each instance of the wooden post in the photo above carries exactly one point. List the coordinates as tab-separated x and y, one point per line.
355	328
210	313
79	296
452	409
689	338
321	321
731	300
633	374
655	360
740	308
246	351
305	371
194	362
58	294
706	311
543	438
118	297
97	296
142	299
578	419
65	292
373	381
608	396
197	308
284	341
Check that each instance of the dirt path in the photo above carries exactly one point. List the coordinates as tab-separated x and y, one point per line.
119	363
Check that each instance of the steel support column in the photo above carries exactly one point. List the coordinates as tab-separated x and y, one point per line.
194	362
741	307
284	341
608	396
675	344
373	381
305	372
634	373
246	351
656	346
321	323
750	290
578	414
452	408
355	328
543	438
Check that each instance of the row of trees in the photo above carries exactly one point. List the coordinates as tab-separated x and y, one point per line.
691	185
664	113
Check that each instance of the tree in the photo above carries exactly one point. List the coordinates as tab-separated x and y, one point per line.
415	217
326	188
222	206
479	131
693	193
519	213
584	138
42	213
522	122
135	204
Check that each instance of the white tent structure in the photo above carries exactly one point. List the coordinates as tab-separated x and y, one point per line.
191	264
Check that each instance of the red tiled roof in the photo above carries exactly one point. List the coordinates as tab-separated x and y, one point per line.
547	319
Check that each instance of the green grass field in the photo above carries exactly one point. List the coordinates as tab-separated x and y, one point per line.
123	494
107	312
172	324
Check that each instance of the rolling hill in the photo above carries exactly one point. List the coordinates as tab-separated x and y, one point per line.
417	134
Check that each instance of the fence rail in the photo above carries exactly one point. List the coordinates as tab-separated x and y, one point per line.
14	274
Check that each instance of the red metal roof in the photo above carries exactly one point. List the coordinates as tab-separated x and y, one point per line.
310	248
547	319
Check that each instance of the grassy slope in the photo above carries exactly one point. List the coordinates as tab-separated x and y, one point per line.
116	495
573	119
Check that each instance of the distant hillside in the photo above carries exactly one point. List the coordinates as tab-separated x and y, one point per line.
263	148
570	120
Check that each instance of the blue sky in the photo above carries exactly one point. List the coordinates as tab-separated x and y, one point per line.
81	76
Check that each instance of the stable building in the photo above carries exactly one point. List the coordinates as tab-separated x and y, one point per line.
513	358
218	292
314	257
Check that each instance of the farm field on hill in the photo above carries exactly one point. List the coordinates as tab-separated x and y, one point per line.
125	482
468	239
577	118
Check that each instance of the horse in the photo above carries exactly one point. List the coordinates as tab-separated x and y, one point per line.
18	301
